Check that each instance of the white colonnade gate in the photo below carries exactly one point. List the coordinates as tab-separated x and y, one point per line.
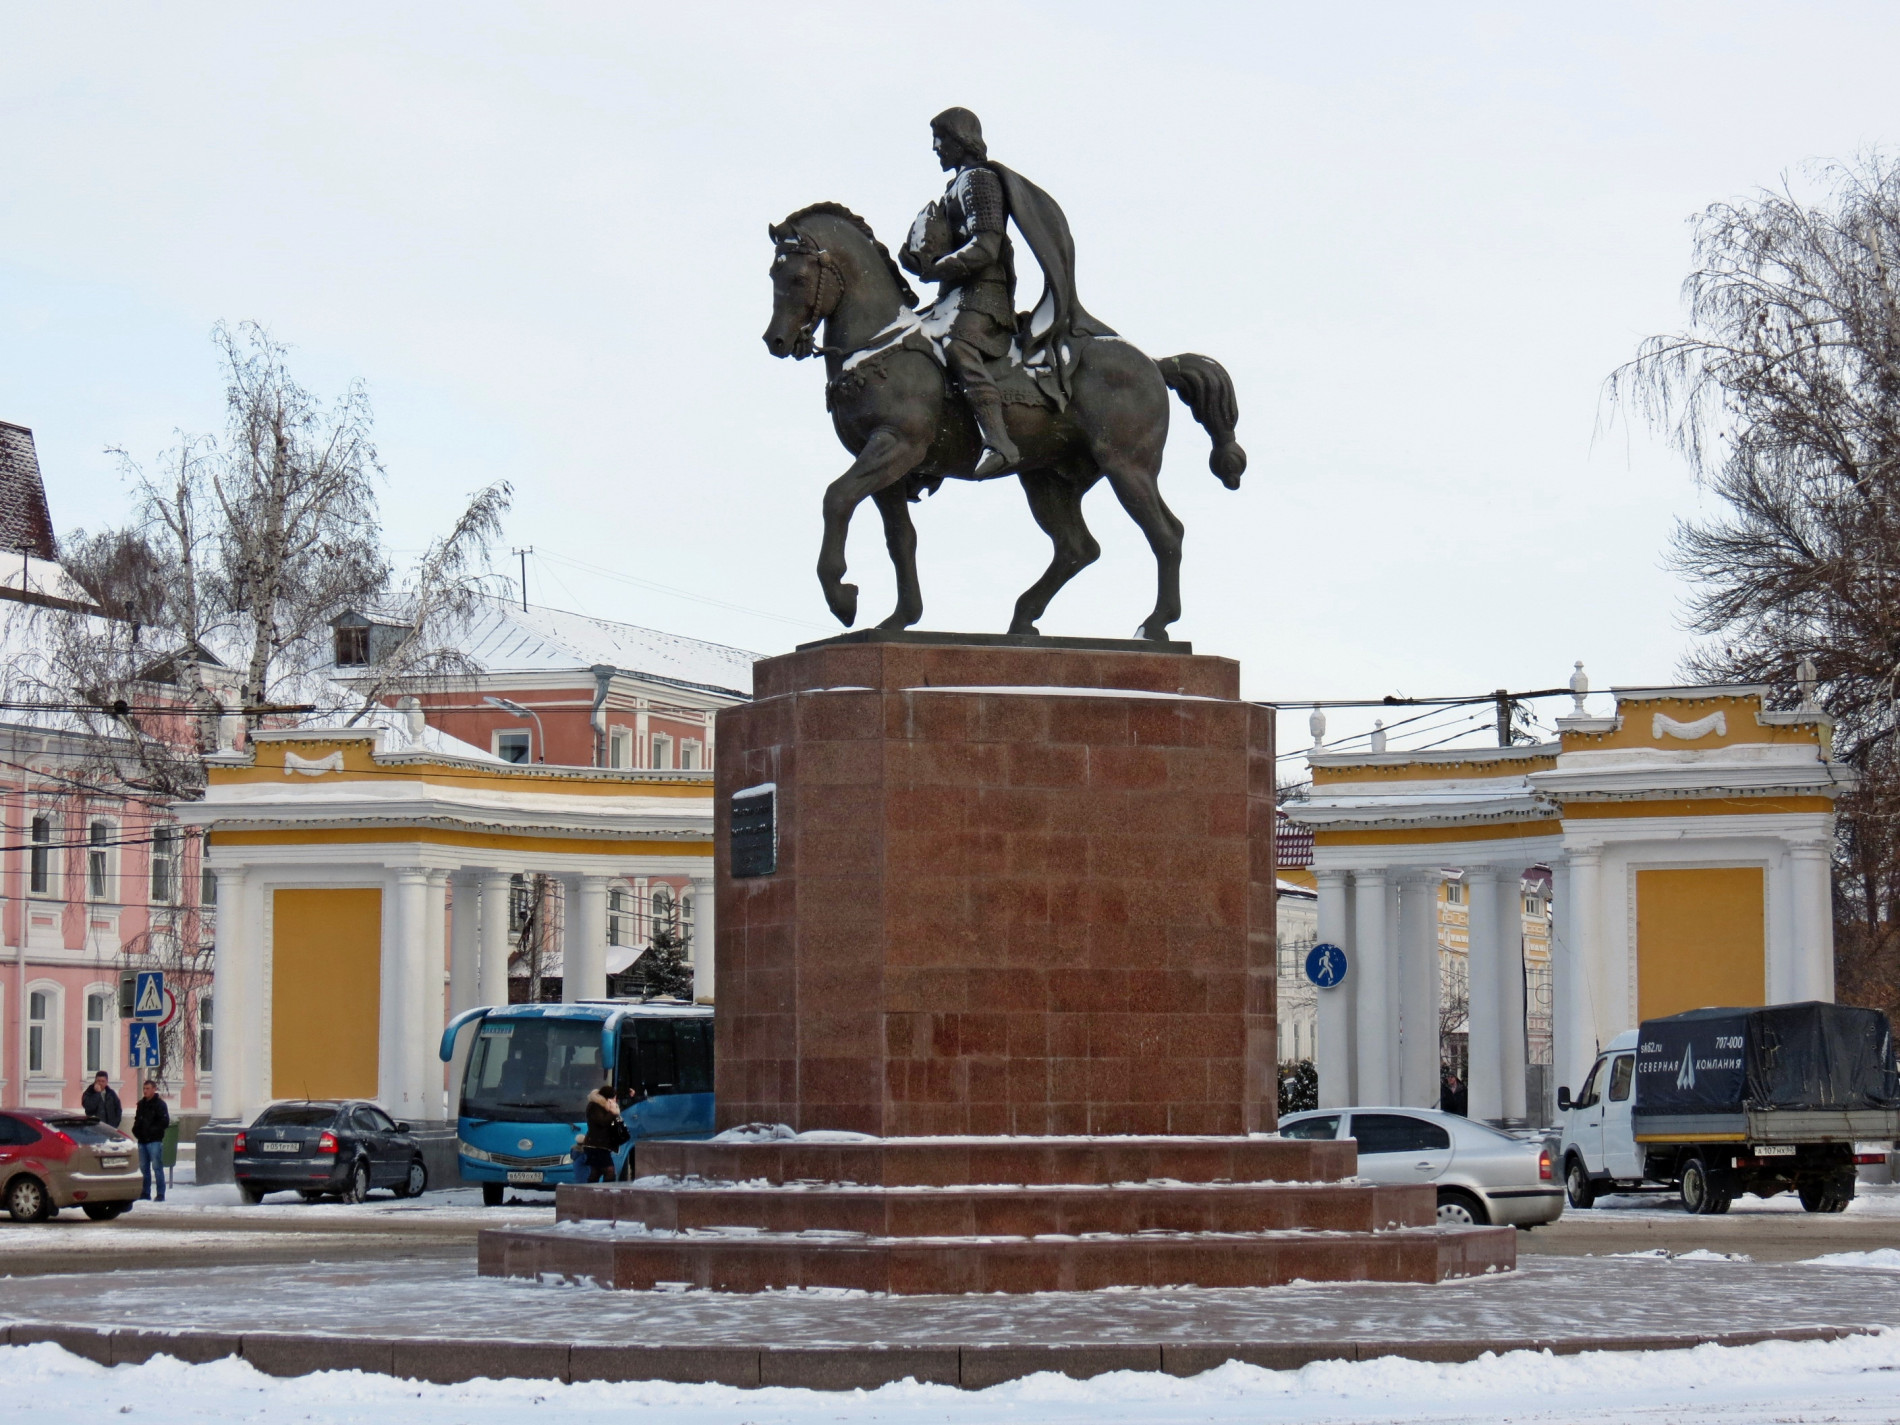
363	895
1689	836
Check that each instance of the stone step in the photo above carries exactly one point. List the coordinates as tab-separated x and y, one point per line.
1002	1211
629	1259
947	1162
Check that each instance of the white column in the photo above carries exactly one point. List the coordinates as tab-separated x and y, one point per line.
1418	989
254	1001
234	963
1484	1068
705	944
465	945
1371	968
493	981
1511	1048
1584	953
1332	1056
584	946
1563	1026
1811	973
432	1001
404	927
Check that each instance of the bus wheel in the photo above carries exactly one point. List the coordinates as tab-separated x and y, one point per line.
492	1194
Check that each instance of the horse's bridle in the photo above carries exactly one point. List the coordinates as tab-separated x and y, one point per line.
823	303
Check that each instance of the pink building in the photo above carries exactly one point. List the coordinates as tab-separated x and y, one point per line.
95	884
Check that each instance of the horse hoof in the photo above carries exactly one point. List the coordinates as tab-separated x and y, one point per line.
897	621
1024	630
1155	632
844	603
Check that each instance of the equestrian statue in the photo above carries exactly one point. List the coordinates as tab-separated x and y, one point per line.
967	388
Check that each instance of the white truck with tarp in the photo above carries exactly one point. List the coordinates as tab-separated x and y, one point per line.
1715	1103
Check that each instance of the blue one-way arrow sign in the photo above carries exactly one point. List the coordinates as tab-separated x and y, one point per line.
144	1053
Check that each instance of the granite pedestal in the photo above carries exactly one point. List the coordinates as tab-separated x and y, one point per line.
1005	909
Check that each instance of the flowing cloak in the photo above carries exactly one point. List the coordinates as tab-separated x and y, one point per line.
1058	317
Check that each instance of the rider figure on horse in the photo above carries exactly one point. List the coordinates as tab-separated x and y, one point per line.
976	275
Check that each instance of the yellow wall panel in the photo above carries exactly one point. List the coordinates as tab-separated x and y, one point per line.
326	993
1700	939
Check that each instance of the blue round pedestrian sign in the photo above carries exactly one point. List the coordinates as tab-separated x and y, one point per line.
1326	966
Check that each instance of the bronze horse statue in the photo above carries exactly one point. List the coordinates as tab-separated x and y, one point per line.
886	391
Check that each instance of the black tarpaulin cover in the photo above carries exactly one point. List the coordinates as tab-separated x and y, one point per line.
1793	1056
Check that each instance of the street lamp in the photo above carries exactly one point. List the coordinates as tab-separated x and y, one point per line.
509	705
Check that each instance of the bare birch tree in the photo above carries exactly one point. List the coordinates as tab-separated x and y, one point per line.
218	596
1783	392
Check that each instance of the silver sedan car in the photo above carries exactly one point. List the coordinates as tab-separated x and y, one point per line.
1482	1175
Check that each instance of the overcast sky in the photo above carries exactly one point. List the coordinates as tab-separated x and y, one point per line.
1419	236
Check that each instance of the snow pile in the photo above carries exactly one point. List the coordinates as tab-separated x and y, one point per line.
1851	1382
785	1133
1886	1259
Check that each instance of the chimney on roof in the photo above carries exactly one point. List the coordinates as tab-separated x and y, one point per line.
24	521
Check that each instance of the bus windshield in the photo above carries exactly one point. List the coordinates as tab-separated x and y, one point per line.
534	1070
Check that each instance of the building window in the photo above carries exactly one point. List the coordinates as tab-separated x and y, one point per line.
96	1033
619	747
616	918
520	903
1454	893
689	755
662	752
686	924
98	848
513	746
40	858
207	887
164	864
661	905
204	1035
39	1005
352	647
1533	905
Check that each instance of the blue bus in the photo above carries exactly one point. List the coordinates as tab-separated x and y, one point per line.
531	1067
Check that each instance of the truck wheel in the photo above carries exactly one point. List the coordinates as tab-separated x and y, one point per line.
1827	1196
1577	1185
1699	1196
492	1194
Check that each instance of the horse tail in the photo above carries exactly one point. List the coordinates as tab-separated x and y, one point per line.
1204	386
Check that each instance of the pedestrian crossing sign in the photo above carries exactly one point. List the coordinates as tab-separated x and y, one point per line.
148	995
144	1053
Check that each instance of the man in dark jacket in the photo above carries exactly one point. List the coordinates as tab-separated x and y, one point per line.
101	1102
149	1122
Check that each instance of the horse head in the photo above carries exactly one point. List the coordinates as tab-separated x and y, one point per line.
821	255
805	290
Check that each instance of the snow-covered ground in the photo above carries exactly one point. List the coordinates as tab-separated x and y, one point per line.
398	1294
1871	1200
1849	1382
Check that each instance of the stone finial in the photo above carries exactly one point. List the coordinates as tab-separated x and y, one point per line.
1804	677
1579	689
1316	724
230	730
1378	735
414	720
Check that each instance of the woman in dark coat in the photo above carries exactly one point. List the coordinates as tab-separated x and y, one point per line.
605	1133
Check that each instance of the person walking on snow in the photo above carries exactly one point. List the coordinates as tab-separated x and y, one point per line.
149	1122
101	1102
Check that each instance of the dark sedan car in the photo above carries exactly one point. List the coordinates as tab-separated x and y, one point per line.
327	1148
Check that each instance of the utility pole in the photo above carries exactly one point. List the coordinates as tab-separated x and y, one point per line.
523	554
1503	699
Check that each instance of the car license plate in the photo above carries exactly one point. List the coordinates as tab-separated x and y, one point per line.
524	1177
1773	1150
282	1147
115	1162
